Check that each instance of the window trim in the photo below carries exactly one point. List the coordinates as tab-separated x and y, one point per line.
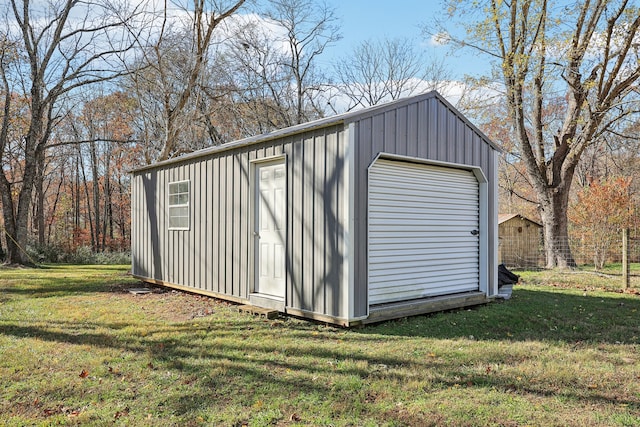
180	205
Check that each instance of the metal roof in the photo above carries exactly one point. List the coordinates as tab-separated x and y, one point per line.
506	217
344	118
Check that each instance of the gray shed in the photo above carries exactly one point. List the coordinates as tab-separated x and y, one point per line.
370	215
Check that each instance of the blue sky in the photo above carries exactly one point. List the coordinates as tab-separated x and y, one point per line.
371	19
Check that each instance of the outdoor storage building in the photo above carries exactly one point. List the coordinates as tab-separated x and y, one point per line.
519	241
374	214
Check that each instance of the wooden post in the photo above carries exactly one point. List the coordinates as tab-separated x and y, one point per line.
625	258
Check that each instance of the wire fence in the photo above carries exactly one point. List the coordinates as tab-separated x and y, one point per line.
526	251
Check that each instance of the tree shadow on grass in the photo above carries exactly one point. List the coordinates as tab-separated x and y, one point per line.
62	286
233	361
531	315
241	359
230	363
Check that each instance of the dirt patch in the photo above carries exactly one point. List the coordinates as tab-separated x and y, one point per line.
170	304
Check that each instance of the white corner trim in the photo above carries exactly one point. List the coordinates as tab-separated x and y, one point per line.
483	204
477	170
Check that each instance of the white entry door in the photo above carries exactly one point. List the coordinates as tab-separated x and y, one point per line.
269	231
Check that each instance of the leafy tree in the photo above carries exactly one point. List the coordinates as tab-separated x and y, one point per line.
48	51
105	123
579	60
600	212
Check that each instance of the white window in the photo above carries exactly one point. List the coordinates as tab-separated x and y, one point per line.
179	205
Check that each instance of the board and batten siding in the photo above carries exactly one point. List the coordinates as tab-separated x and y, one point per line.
521	243
428	128
214	256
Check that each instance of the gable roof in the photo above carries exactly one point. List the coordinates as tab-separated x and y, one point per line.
343	118
506	217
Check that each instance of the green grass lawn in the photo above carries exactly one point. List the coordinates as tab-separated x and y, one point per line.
77	349
607	279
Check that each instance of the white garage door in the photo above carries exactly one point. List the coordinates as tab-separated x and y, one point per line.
423	231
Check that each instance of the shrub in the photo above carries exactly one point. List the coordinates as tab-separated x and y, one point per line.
113	258
82	255
45	253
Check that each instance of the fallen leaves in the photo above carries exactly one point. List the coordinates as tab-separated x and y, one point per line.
61	409
84	374
122	413
295	417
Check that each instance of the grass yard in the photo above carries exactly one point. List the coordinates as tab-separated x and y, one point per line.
608	279
77	349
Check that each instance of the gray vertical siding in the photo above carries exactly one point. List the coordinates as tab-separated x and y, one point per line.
428	129
214	254
315	254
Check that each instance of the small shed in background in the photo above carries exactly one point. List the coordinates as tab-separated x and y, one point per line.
375	214
520	241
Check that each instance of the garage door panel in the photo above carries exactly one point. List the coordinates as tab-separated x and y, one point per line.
420	223
424	254
415	174
440	279
384	245
409	276
433	270
391	239
401	193
446	213
404	231
408	293
421	261
438	188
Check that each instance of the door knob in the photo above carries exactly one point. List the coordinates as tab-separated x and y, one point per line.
474	232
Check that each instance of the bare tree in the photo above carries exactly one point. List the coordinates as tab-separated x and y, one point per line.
275	62
310	27
50	51
585	55
173	66
384	70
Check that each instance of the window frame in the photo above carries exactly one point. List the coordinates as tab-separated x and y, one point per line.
171	206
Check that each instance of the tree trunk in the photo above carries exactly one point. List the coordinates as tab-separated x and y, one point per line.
39	187
54	208
21	234
122	216
626	278
9	218
76	202
107	226
86	194
553	212
95	230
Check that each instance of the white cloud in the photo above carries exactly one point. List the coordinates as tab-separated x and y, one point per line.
452	90
440	39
